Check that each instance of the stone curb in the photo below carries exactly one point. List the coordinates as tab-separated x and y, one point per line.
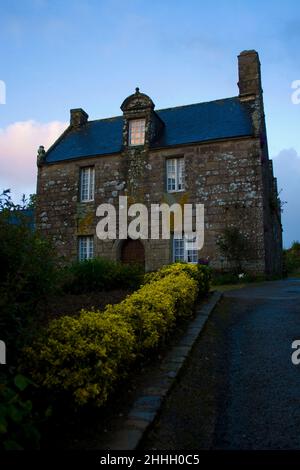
147	406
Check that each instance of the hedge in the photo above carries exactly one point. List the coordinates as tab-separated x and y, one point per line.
85	356
154	308
201	274
82	356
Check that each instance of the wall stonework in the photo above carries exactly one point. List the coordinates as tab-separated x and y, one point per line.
233	178
227	177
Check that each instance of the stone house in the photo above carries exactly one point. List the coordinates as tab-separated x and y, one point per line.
213	153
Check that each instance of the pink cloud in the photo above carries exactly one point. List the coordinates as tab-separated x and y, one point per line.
18	149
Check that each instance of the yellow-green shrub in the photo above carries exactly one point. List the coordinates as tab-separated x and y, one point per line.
184	290
201	274
83	356
154	308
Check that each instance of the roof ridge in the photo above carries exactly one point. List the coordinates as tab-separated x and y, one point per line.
106	119
167	109
196	104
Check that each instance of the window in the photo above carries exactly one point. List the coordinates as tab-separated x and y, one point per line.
87	183
137	132
184	249
175	174
85	248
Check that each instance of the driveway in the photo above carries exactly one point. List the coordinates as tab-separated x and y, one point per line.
239	389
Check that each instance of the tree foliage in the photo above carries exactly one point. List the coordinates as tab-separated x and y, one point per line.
26	276
234	247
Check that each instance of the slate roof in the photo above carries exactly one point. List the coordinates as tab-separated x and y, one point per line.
193	123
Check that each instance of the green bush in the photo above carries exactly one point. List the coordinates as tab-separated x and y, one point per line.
153	309
221	278
27	276
235	247
82	356
291	258
201	274
18	420
85	356
100	274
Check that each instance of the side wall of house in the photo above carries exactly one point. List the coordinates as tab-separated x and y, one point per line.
251	94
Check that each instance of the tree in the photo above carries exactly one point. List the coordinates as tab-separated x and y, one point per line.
27	273
234	247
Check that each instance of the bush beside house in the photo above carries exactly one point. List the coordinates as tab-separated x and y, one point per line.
291	258
84	357
100	274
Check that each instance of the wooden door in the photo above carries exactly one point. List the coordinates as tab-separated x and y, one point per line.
133	252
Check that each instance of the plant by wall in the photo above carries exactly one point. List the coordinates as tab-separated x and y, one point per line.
234	247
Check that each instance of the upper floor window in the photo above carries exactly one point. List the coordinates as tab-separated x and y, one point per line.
87	183
184	249
175	174
85	248
137	132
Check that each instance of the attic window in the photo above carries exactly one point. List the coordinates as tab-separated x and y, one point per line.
137	132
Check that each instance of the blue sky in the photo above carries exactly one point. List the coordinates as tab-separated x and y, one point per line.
57	55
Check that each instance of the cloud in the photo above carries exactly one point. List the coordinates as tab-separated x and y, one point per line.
287	171
18	149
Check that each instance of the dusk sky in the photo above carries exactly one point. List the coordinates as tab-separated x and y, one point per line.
56	55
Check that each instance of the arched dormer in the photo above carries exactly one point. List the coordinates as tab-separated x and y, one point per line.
141	123
137	102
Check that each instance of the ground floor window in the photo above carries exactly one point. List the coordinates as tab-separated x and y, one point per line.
85	248
184	249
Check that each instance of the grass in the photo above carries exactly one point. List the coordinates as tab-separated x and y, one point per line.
295	273
226	287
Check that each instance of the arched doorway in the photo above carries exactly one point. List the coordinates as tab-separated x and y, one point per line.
133	252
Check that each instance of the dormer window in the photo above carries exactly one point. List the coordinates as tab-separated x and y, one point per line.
136	132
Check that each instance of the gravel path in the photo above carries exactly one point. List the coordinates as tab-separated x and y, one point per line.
239	389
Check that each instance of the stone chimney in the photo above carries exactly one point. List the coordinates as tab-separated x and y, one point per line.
78	117
40	155
249	75
251	93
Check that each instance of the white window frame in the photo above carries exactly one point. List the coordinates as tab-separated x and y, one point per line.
85	247
184	250
175	169
87	183
136	133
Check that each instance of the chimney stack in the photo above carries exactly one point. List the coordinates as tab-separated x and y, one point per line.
78	117
249	75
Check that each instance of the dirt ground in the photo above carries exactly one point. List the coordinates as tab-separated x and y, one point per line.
71	304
